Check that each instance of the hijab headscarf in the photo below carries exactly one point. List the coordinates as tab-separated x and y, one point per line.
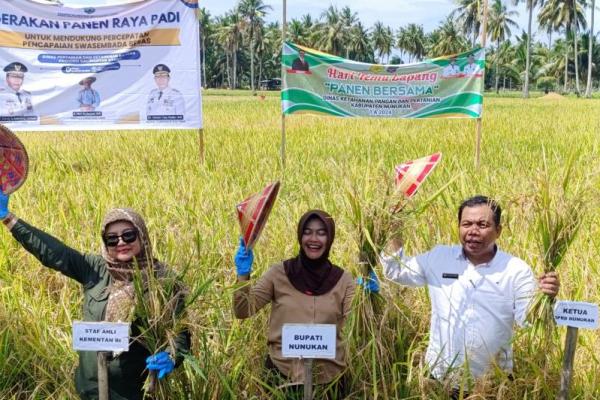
121	292
314	277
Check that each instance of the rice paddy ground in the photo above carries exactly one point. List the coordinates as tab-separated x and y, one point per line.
76	177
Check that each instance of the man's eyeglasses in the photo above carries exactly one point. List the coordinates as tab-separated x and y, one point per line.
128	236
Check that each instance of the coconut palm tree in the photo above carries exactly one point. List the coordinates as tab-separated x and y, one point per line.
588	89
229	35
349	19
205	28
500	23
531	4
329	34
570	15
468	15
295	32
252	12
446	39
359	44
416	38
382	39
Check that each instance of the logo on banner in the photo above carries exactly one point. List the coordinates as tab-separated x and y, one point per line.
89	10
190	3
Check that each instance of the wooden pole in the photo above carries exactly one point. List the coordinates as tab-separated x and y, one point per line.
308	379
283	36
567	369
200	130
102	376
479	123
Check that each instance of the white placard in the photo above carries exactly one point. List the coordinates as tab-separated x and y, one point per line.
576	314
308	340
100	336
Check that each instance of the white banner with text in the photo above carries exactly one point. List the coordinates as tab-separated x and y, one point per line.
132	66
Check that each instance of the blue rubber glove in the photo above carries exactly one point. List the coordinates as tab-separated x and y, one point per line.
3	205
371	284
243	259
160	362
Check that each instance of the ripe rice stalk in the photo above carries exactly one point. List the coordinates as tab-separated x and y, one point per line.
381	332
559	207
379	213
160	316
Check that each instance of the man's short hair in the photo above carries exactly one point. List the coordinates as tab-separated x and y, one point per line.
478	201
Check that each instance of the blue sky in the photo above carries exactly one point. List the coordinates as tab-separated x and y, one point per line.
394	13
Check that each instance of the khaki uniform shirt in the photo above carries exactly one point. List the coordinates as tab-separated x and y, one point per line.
289	305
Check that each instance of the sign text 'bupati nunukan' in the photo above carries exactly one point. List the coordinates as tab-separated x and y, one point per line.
100	336
444	87
130	66
308	340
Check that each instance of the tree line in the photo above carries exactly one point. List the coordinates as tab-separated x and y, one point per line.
239	48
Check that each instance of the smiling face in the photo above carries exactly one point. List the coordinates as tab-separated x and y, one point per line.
314	238
478	233
122	252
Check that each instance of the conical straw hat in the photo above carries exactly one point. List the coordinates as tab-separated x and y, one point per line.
411	174
254	211
14	162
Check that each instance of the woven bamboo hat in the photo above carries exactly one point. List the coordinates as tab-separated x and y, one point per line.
411	174
254	211
14	162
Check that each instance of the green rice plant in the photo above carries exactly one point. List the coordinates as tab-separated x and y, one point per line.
160	316
560	207
76	177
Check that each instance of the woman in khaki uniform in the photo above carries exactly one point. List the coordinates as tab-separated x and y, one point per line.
305	289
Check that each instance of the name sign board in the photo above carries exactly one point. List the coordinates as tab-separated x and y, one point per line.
576	314
308	340
101	336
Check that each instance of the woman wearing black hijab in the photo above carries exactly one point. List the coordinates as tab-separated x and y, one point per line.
306	289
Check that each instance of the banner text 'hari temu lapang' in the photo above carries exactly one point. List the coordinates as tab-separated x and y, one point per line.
118	67
445	87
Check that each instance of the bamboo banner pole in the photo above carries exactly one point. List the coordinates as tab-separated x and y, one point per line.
201	148
283	36
308	379
479	122
567	369
102	376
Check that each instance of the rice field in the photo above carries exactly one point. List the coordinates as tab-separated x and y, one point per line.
75	178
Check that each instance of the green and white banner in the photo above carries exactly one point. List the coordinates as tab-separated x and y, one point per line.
444	87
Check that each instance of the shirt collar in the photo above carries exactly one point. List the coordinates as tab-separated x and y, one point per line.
459	254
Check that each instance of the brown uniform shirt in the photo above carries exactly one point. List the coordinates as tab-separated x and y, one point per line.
288	305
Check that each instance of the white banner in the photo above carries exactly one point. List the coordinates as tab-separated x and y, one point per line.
308	340
100	336
133	66
576	314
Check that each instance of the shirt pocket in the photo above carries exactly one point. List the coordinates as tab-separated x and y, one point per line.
95	300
